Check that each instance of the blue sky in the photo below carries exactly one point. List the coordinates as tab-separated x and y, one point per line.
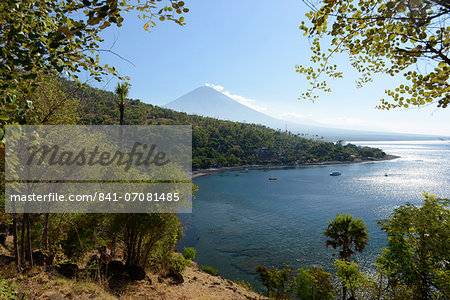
249	49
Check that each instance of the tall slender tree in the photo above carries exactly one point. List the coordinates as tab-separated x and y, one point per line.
350	234
122	90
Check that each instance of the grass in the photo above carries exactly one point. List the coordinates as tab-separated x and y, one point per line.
189	253
210	270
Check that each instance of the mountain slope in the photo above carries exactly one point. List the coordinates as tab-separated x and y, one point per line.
208	102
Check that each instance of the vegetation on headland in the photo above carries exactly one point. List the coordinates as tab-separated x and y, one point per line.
414	265
219	143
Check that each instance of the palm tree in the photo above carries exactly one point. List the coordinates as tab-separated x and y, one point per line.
346	232
350	234
121	91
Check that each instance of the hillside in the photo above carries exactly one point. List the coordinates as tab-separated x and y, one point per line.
42	283
219	143
208	102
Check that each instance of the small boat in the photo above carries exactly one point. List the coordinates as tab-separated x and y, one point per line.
244	171
335	174
273	178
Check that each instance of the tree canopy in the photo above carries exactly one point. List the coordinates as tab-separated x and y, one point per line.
411	37
346	232
418	253
63	37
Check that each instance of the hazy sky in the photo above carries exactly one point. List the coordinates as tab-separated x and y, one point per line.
249	49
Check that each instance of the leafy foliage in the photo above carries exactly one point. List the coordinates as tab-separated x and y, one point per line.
418	251
8	291
313	283
346	232
415	264
383	36
189	253
276	281
349	275
179	263
148	238
54	37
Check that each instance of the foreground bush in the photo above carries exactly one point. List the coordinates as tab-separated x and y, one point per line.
8	291
189	253
418	252
313	283
276	281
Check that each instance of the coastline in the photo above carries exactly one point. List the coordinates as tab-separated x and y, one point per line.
204	172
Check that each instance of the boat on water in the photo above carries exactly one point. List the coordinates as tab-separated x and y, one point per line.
335	173
244	171
273	178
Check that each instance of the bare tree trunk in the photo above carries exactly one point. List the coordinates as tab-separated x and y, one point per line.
16	246
122	111
30	250
113	247
47	215
22	241
138	252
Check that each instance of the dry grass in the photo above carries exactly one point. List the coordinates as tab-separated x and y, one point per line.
38	283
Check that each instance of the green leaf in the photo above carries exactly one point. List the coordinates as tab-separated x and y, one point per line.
442	65
4	117
402	7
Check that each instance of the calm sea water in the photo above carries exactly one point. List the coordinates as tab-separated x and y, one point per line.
242	220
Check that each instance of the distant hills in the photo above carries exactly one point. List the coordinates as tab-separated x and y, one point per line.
206	101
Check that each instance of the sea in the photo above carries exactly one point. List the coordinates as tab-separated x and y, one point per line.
242	220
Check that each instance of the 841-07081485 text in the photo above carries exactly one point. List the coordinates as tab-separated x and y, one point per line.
101	197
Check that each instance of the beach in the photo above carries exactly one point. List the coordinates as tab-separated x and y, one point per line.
203	172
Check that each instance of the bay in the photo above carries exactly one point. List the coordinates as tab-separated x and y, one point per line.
242	220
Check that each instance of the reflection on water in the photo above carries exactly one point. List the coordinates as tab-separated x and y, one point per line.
239	222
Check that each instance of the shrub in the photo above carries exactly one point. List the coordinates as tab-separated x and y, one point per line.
189	253
349	276
276	281
179	263
8	290
244	284
209	270
313	283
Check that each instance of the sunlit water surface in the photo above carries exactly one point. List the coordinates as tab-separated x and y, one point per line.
242	220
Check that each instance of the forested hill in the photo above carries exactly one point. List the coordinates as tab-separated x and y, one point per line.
218	143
